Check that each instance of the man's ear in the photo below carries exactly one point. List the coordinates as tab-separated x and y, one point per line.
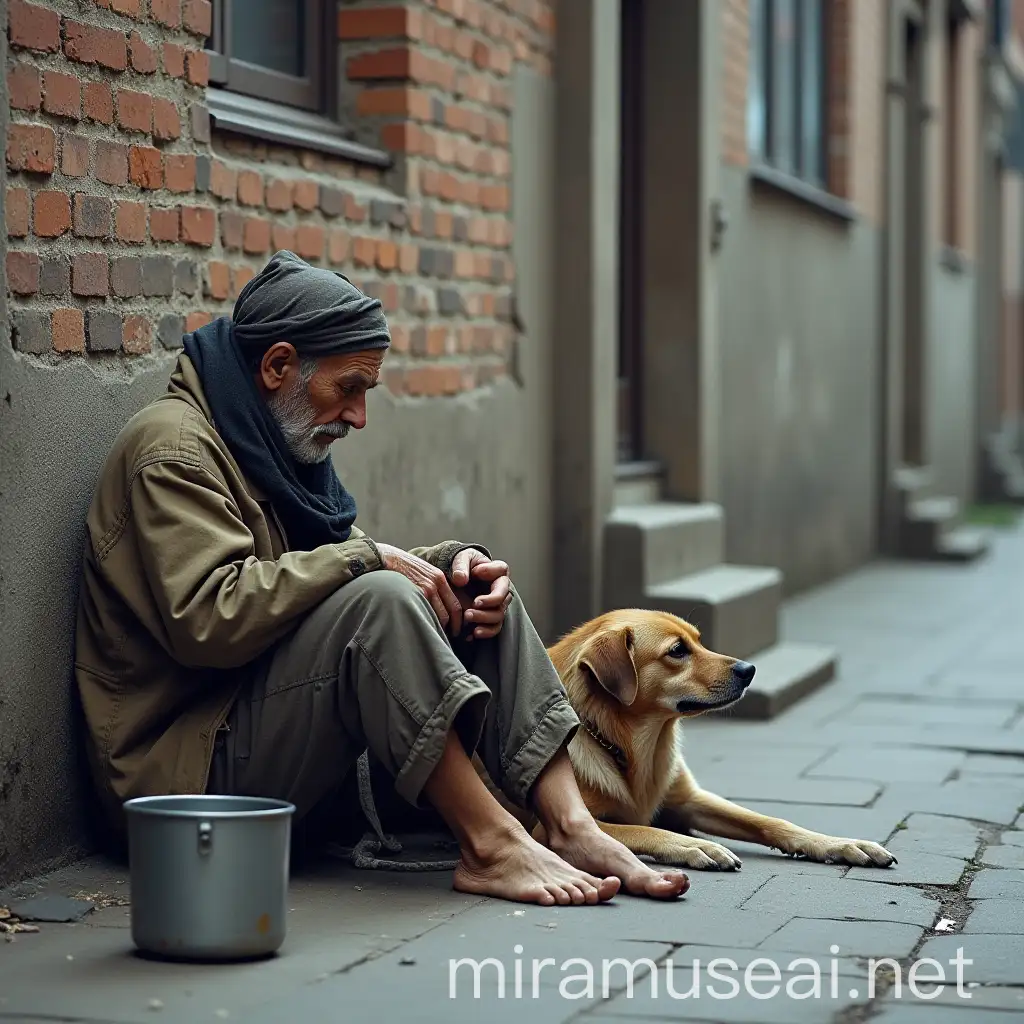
275	364
608	657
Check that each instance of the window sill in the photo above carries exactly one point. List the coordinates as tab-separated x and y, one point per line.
768	177
289	126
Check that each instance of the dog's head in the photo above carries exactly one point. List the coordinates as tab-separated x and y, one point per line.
652	661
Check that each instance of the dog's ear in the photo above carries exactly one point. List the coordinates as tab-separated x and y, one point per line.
609	659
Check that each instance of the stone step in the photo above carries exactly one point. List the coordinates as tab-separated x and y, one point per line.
735	607
786	673
940	509
913	479
638	483
924	524
646	545
963	544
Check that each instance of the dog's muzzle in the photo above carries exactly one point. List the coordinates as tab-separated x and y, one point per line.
739	679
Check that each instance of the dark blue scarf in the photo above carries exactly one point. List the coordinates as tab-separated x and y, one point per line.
313	506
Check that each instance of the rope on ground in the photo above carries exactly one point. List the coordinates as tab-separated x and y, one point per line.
364	853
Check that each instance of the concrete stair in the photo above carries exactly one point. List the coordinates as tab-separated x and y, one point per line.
669	556
929	525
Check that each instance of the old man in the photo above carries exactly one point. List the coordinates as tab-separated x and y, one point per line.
239	634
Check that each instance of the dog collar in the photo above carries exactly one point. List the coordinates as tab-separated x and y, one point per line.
617	752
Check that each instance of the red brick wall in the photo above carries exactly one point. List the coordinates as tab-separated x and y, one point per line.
129	221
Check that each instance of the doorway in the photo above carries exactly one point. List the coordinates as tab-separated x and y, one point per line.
903	438
630	443
913	441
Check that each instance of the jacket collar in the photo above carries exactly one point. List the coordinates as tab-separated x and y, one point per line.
186	385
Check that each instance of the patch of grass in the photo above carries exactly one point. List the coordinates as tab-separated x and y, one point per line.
1002	516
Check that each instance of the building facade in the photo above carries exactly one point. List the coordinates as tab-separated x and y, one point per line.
688	300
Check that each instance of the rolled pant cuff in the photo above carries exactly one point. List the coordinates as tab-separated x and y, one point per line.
556	728
430	742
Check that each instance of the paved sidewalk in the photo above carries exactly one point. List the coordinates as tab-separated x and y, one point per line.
919	744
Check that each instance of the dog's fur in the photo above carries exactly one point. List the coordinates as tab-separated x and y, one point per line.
632	675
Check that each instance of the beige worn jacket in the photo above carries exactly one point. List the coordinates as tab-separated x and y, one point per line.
187	578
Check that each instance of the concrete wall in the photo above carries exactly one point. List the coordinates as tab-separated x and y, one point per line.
952	371
56	423
799	318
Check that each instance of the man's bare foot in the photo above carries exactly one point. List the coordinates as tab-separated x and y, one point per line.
509	864
585	846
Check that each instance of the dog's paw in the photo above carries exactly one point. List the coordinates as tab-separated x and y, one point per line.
861	853
701	855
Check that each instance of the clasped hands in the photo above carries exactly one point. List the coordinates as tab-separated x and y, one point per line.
473	604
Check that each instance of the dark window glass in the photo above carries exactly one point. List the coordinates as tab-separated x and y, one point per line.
786	106
271	34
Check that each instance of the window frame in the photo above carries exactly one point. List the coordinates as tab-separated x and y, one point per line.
309	93
803	163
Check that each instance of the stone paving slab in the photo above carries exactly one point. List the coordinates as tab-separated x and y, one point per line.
997	883
656	921
970	740
93	973
850	938
997	917
982	998
1012	837
843	900
988	764
997	959
743	1008
937	835
937	711
788	961
988	801
704	748
1004	857
884	764
927	1012
381	989
917	869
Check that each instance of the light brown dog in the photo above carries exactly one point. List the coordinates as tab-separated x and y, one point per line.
632	676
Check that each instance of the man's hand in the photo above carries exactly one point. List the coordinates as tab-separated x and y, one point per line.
431	582
484	591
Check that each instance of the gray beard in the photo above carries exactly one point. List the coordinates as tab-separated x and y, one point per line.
294	414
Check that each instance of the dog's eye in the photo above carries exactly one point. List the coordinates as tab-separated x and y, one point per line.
679	650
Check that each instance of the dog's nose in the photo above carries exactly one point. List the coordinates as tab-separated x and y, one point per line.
743	671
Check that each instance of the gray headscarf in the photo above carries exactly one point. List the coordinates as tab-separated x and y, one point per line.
318	311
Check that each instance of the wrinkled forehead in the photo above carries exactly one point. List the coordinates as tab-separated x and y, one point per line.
353	367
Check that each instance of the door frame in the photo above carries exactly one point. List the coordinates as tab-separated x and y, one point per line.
906	258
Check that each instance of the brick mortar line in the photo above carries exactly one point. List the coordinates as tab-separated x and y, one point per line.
93	71
108	362
169	201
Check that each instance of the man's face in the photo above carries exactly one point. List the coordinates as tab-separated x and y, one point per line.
314	404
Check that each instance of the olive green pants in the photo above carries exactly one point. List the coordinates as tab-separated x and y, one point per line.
371	667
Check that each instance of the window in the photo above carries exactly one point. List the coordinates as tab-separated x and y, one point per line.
273	76
271	50
786	106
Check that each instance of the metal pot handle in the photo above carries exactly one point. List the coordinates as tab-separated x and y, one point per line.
205	837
